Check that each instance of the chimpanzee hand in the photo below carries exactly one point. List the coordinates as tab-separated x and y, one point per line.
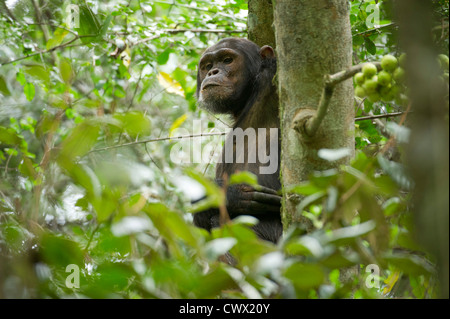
243	199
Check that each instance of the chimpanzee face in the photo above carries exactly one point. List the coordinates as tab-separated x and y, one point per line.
222	78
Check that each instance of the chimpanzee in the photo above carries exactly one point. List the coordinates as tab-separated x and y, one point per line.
235	77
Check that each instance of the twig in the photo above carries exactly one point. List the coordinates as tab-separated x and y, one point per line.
218	134
370	31
50	50
146	40
135	91
155	140
203	31
372	117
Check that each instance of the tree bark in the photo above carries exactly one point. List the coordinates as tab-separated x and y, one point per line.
260	22
313	39
428	149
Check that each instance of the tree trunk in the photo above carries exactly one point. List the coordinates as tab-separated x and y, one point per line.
428	150
260	22
313	39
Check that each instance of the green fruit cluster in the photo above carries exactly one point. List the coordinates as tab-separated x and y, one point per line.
386	85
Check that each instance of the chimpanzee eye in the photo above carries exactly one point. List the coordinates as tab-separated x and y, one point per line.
228	60
208	66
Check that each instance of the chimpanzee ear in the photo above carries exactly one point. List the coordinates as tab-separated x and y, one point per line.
267	52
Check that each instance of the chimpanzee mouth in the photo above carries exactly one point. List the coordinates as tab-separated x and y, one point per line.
209	85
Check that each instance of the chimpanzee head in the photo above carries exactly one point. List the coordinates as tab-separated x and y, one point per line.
227	74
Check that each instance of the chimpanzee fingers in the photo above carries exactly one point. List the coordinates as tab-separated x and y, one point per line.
263	189
267	190
265	198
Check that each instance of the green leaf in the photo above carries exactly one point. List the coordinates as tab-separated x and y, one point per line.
244	177
347	235
370	46
88	25
305	245
338	259
134	123
60	252
27	168
305	188
8	136
170	224
78	143
410	264
305	276
163	57
14	235
114	276
65	69
119	92
214	283
334	154
400	132
21	78
105	25
58	37
38	71
29	91
4	87
391	206
215	196
130	225
218	247
397	172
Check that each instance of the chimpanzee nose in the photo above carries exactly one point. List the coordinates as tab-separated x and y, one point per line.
213	72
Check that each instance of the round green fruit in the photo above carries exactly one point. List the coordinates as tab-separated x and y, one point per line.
360	92
389	63
369	70
399	75
384	78
443	61
370	85
359	78
387	94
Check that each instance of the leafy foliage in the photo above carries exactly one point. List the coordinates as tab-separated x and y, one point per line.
87	179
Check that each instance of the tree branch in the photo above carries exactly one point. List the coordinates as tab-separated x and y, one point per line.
373	117
309	123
